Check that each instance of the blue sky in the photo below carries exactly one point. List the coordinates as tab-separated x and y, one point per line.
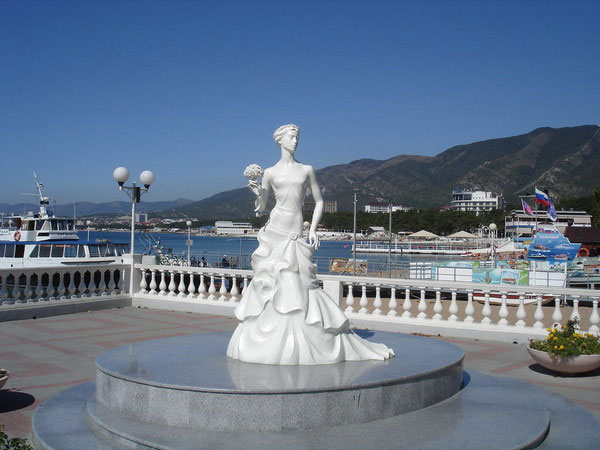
193	90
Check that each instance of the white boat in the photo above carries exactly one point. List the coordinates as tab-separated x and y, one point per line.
44	240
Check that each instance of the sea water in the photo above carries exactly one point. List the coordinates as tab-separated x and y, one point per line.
213	249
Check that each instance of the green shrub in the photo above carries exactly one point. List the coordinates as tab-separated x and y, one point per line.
7	443
567	341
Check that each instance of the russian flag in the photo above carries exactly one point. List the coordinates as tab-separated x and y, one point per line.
541	197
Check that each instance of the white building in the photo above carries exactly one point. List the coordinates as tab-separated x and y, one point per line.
229	228
519	225
476	201
329	206
375	208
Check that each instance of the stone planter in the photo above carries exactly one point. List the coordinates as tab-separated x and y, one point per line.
568	364
3	380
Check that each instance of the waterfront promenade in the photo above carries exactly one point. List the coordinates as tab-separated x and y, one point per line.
50	354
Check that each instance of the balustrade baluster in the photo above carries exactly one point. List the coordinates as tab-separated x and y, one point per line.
469	309
172	285
407	305
539	313
143	283
39	288
4	288
72	287
422	306
377	303
52	290
181	286
349	300
61	286
393	304
153	284
27	291
575	313
212	289
16	290
594	317
557	314
363	300
103	285
111	281
486	311
245	285
521	311
437	307
201	288
453	308
191	286
163	283
223	290
235	292
503	313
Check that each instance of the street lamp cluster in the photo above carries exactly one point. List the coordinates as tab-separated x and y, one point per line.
121	175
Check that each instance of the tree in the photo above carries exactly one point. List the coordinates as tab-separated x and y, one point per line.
596	207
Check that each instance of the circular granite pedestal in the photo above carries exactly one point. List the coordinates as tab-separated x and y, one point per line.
183	392
188	381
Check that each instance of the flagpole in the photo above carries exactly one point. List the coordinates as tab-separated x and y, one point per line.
536	221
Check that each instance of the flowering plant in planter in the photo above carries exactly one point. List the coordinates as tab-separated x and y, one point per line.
567	341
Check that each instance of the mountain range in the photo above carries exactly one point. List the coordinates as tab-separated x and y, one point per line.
566	161
90	208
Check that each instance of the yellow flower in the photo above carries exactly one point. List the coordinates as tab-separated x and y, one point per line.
549	330
555	347
555	338
561	347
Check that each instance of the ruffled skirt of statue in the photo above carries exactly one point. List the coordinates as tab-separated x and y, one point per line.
286	318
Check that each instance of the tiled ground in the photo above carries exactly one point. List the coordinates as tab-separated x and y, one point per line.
45	356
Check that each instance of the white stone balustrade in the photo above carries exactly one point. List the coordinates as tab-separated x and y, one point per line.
50	284
500	312
447	308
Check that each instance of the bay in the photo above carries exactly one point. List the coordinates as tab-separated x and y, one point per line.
213	249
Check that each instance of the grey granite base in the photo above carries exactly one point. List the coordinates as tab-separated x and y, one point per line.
488	412
187	381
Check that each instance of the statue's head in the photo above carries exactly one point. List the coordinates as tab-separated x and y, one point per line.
287	136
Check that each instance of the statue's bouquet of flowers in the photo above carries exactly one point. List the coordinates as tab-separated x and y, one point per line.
253	172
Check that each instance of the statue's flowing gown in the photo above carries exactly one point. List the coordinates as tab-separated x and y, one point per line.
285	317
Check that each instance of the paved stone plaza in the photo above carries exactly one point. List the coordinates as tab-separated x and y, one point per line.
48	355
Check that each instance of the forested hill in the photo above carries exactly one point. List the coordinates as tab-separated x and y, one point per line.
566	161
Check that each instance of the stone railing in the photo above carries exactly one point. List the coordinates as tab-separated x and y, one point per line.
44	291
40	284
501	312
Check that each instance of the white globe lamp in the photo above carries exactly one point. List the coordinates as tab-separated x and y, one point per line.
147	178
121	174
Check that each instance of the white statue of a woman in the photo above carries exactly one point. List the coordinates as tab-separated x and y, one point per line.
285	317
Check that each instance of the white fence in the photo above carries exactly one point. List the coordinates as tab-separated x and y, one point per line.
45	291
502	312
436	307
25	285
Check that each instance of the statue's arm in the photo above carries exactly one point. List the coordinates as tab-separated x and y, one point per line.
261	192
318	212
